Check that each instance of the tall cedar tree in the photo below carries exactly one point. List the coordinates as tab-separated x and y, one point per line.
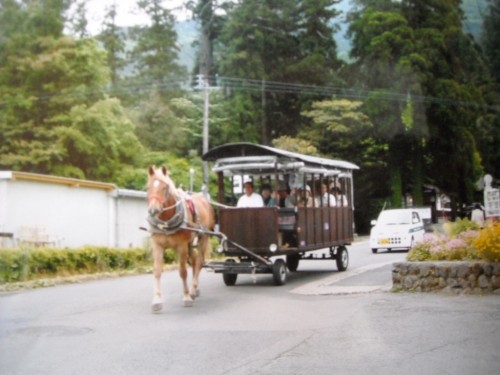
418	49
451	68
490	42
113	41
155	52
276	41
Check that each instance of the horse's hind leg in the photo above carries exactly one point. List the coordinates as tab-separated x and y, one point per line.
157	303
183	254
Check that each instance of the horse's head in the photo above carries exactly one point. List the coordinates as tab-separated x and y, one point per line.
162	194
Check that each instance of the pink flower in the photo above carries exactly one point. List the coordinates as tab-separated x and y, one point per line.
455	244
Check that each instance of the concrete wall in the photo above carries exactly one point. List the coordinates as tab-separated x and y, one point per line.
68	212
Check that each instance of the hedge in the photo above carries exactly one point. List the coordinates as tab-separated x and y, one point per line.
25	263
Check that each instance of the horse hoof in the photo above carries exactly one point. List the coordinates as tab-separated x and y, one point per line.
195	294
188	303
156	307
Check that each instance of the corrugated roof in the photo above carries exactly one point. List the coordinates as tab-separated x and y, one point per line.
250	149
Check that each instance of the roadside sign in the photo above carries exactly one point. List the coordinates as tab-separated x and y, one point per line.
491	199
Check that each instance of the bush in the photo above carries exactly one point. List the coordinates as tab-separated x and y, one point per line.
487	244
463	243
458	244
30	263
460	226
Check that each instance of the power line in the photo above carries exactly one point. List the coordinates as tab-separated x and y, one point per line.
256	85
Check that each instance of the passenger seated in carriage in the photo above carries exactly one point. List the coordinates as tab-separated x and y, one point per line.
268	196
340	199
304	197
250	198
327	199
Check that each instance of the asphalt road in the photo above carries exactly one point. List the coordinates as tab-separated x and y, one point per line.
321	322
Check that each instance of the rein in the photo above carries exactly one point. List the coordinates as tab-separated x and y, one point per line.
162	200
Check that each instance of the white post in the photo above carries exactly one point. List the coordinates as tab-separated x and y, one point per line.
191	175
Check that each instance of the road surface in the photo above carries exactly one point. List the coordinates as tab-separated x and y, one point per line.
321	322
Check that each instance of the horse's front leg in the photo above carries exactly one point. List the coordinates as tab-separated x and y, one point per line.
157	303
183	257
197	260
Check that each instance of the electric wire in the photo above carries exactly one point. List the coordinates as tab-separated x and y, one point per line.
145	86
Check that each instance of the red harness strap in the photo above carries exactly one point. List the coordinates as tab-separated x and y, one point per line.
190	206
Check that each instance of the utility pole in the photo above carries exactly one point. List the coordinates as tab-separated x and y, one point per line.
206	103
203	84
205	9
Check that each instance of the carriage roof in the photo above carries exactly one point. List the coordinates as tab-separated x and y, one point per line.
250	158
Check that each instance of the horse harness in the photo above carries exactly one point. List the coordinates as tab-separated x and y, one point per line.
179	220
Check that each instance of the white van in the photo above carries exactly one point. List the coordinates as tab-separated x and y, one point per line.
396	229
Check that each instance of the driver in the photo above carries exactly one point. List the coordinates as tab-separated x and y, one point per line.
250	199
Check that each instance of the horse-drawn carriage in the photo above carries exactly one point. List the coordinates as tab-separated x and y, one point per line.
319	216
287	233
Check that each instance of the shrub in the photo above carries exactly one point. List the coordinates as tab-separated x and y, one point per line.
460	226
29	263
458	245
487	244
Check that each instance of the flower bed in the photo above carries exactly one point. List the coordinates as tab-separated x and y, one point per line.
463	259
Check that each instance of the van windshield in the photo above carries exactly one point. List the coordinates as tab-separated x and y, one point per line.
394	217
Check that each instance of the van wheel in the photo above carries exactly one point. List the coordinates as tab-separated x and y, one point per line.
374	251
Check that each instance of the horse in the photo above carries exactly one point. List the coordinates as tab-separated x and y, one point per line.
178	221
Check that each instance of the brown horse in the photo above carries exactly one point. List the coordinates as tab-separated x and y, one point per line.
177	221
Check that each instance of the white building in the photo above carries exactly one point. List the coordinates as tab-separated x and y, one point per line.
68	212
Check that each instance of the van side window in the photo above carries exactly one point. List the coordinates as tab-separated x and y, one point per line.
416	218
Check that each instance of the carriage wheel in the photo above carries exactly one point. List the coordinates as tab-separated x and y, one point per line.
279	272
229	278
342	258
292	262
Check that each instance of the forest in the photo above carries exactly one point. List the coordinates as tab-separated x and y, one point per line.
415	104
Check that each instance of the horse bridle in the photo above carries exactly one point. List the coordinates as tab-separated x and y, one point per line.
162	200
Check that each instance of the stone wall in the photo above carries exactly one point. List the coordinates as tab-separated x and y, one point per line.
455	277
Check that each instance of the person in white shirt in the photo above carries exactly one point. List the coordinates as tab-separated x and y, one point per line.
250	199
327	199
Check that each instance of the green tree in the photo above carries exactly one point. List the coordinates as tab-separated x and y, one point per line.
382	42
490	40
266	42
155	51
454	72
78	21
292	144
490	124
55	116
112	39
423	73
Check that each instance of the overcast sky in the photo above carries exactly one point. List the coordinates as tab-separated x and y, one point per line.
127	12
